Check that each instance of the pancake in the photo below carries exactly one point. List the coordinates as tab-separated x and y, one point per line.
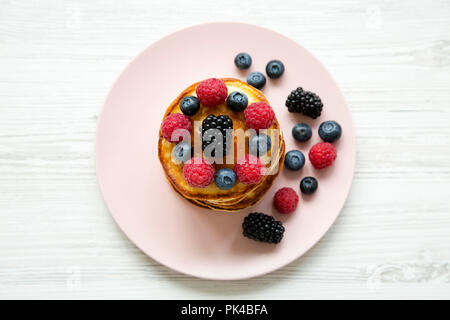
240	195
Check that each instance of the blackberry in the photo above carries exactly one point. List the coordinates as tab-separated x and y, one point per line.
305	102
209	135
261	227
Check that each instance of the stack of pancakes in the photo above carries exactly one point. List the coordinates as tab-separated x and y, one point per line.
240	196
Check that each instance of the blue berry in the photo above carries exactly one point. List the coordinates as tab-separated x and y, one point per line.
243	60
182	151
190	105
275	69
256	79
330	131
237	101
308	185
259	144
301	132
294	160
225	178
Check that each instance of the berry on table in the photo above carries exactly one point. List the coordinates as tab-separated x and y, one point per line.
237	101
259	115
285	200
190	105
212	92
198	172
275	69
322	155
294	160
249	169
217	129
243	60
256	79
225	178
308	185
259	144
262	227
182	151
305	102
330	131
301	132
175	126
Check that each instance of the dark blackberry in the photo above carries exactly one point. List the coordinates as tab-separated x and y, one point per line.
261	227
209	135
305	102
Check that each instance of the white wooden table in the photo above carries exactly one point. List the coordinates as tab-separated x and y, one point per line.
58	59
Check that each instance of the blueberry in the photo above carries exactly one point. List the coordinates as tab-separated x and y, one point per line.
294	160
301	132
243	60
330	131
237	101
308	185
259	144
275	69
182	151
256	79
190	105
225	178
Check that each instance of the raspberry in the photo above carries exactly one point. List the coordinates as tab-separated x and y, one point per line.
249	169
198	172
285	200
259	115
173	122
212	92
322	155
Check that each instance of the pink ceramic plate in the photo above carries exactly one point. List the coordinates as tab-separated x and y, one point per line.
165	226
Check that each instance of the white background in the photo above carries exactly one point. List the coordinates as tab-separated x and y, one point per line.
58	59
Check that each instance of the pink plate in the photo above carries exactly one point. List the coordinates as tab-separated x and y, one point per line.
195	241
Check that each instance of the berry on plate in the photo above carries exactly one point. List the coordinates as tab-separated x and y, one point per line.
259	115
305	102
225	178
237	101
212	92
198	172
190	105
243	60
249	169
330	131
175	126
294	160
262	227
182	151
259	144
256	79
275	69
322	155
285	200
301	132
308	185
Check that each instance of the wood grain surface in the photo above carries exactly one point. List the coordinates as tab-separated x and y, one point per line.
58	59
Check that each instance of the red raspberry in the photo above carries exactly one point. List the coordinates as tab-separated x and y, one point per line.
173	122
259	115
249	169
198	172
285	200
212	92
322	155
